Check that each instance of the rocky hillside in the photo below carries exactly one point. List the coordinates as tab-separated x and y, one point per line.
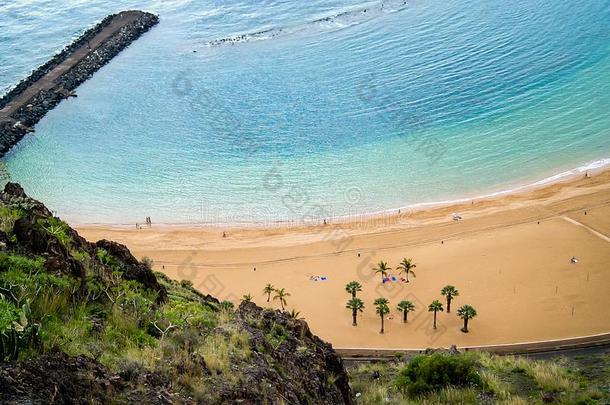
84	322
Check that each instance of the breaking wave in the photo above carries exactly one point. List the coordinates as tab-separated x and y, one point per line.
330	23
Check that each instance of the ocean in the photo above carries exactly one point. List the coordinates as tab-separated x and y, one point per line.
243	112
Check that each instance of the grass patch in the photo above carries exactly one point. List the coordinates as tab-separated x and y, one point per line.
219	351
8	217
509	380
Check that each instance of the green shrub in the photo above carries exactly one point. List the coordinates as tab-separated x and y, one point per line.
276	336
82	257
227	305
187	313
24	280
57	228
135	300
15	262
17	331
426	374
8	216
108	260
8	315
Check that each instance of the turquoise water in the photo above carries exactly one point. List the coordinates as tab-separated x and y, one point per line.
309	116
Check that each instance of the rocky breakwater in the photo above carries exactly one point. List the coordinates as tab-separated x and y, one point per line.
26	104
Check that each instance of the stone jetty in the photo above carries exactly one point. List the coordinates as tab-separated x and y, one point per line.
26	104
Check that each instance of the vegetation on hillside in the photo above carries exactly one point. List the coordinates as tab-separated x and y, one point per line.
93	320
481	378
95	301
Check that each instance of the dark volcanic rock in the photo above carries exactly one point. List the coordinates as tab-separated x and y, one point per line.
288	362
60	379
132	269
15	195
14	189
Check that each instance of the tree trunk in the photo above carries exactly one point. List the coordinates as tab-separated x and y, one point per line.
465	328
407	276
448	304
282	303
404	316
381	324
268	296
354	315
353	294
434	319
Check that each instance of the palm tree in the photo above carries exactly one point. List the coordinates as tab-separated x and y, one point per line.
269	288
407	266
451	292
382	308
382	267
405	307
353	287
466	312
355	304
281	295
247	298
435	307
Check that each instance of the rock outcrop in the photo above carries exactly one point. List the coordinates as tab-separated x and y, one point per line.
132	269
304	369
61	379
38	232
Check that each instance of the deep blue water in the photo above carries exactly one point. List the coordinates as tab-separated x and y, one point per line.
311	109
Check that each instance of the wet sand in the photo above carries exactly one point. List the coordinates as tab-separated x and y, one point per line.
509	257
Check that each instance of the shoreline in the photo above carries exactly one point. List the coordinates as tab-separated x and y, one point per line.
594	168
509	257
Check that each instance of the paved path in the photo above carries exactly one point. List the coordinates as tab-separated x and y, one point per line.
548	348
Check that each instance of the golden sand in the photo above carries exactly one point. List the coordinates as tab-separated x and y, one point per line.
509	257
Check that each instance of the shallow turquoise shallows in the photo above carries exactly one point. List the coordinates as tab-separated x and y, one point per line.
321	108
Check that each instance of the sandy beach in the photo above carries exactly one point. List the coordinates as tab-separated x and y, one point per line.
509	257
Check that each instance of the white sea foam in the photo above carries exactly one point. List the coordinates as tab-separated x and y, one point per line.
590	167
